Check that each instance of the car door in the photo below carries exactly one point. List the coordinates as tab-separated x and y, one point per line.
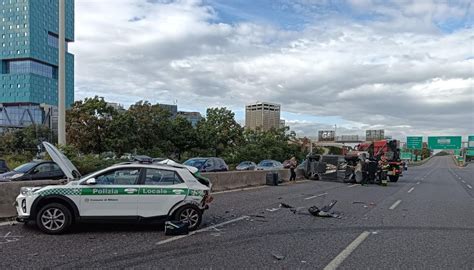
209	165
114	194
56	172
40	172
160	191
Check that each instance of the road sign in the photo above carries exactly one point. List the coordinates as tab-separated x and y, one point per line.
470	142
415	142
444	142
326	135
470	153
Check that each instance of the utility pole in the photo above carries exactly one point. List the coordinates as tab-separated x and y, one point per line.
62	75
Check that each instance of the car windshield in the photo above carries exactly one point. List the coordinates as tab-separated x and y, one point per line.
245	163
195	162
25	167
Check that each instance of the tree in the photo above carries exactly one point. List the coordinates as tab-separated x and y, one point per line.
219	131
184	136
152	130
87	124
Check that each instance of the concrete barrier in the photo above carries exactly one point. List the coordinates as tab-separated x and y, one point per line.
9	191
241	179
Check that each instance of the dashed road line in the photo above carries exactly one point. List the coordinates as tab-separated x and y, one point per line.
469	186
201	230
463	181
418	182
354	185
411	189
395	204
315	196
347	251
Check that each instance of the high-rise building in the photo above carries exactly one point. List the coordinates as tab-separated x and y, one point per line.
29	31
192	117
172	109
262	115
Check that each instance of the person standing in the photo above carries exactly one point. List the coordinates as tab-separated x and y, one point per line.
293	164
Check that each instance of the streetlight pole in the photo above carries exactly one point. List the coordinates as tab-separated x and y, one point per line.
62	75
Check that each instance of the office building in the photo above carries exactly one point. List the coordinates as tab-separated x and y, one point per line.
172	109
192	117
29	60
262	116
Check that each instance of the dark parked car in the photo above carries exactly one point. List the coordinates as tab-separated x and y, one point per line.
35	170
269	164
208	164
246	166
3	166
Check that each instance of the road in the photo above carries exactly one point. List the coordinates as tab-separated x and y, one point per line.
424	221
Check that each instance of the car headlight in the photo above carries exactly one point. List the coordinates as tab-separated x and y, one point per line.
28	190
18	175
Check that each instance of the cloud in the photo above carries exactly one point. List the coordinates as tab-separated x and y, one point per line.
398	70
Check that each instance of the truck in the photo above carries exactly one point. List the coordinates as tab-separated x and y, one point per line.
387	154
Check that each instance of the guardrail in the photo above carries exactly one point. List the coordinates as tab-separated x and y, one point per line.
418	163
220	181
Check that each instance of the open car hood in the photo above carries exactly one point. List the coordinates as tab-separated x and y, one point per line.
172	163
63	162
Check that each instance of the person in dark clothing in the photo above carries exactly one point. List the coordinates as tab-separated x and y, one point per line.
293	164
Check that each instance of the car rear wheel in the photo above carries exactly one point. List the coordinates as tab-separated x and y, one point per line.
190	214
54	218
393	178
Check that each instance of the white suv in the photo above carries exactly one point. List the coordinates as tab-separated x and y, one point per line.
124	192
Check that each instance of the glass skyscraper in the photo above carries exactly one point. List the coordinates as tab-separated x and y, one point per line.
29	59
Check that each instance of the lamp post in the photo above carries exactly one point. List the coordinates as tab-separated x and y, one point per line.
62	75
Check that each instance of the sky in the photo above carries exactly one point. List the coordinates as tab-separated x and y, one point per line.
406	66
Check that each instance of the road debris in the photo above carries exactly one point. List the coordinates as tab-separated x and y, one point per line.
278	256
284	205
176	228
272	209
324	211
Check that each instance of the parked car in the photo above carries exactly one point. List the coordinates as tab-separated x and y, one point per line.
3	166
35	170
246	166
269	164
133	192
208	164
143	159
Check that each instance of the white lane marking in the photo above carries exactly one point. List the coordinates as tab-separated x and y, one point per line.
354	185
463	181
174	238
347	251
418	182
395	204
315	196
8	223
469	186
411	189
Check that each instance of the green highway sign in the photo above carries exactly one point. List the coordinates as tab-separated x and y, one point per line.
470	153
415	142
457	152
470	142
444	142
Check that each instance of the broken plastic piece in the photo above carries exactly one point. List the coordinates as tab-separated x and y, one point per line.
278	256
284	205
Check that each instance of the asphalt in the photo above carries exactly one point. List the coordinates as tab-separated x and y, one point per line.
424	221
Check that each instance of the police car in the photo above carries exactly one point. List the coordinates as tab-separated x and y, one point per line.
133	192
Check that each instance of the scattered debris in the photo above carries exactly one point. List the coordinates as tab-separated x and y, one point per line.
272	209
278	256
324	211
176	228
357	202
284	205
303	261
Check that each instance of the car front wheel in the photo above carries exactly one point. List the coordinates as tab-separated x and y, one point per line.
190	214
54	218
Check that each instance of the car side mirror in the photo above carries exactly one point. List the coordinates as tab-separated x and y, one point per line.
91	181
